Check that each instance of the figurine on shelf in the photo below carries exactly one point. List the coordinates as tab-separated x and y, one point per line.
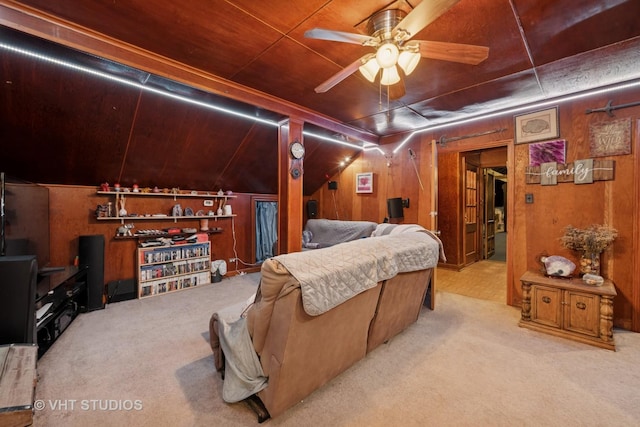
124	230
136	188
116	186
104	186
102	211
122	211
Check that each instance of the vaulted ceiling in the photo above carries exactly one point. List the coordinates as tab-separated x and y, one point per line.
59	124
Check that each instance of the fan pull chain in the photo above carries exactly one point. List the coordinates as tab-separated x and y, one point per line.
388	106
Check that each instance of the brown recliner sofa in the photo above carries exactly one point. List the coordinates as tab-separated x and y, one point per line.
301	346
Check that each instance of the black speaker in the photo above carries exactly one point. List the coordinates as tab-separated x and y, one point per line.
312	208
333	185
18	276
91	255
394	207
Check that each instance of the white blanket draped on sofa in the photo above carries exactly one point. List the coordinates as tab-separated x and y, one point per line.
328	277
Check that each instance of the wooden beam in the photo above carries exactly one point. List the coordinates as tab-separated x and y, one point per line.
290	215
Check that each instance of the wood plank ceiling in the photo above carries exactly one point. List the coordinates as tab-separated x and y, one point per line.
59	125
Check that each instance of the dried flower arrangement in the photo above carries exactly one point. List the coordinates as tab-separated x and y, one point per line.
594	239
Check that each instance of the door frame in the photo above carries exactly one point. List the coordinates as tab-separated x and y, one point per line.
475	144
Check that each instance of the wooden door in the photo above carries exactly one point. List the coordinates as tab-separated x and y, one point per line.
470	237
489	225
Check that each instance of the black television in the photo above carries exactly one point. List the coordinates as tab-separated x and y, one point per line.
24	219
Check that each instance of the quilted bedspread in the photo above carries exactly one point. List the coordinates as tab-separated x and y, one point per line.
330	276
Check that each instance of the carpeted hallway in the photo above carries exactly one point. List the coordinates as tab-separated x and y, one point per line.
148	363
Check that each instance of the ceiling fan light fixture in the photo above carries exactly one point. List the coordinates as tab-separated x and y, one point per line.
390	76
408	61
387	55
370	69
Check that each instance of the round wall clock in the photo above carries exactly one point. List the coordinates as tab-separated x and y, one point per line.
297	150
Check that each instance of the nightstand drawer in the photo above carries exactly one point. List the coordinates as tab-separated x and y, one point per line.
582	313
545	306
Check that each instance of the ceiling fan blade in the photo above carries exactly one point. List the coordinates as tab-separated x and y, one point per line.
455	52
340	76
421	16
337	36
397	90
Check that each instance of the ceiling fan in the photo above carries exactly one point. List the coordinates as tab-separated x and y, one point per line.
390	33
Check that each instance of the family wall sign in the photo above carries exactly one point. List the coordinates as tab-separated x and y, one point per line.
579	172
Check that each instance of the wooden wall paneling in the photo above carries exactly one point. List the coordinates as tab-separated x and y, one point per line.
325	200
410	187
72	214
346	195
378	164
535	229
635	237
513	283
424	164
362	204
493	157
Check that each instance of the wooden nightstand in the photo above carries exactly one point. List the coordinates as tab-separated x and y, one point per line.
568	308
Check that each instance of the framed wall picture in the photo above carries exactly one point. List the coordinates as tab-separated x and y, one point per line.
364	182
548	151
537	126
612	138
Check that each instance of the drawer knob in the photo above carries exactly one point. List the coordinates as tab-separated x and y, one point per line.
546	300
581	305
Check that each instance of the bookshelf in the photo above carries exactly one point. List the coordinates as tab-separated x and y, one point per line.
166	269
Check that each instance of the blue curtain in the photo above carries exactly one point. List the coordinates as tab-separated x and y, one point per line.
266	229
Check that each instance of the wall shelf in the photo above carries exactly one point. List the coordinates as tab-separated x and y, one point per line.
172	195
166	234
211	201
164	217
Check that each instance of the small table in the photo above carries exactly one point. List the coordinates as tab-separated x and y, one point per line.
568	308
17	384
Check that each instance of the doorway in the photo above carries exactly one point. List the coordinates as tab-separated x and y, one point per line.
480	269
497	226
264	226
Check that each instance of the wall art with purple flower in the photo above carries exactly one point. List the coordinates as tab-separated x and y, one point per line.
548	151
